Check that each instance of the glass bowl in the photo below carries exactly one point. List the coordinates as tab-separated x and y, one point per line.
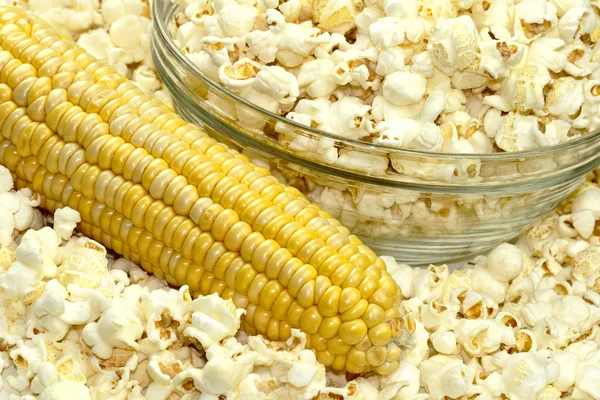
416	206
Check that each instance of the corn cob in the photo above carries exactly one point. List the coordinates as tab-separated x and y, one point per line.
163	194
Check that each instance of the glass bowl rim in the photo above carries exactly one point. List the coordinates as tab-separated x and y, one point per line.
160	18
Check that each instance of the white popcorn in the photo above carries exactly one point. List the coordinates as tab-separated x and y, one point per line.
279	84
113	10
588	200
576	22
369	163
118	327
387	32
586	263
533	18
565	97
403	384
453	45
249	118
496	15
316	77
212	319
236	19
444	342
24	216
220	375
418	344
389	60
464	344
584	223
84	267
505	262
6	231
404	88
323	148
526	374
422	64
334	15
399	133
498	57
519	133
126	34
64	15
65	221
146	79
349	117
483	281
478	337
6	180
65	391
445	376
296	42
164	312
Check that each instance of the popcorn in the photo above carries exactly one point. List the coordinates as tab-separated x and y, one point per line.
588	200
526	374
402	384
219	376
125	36
279	84
164	313
65	221
478	337
236	19
387	32
576	22
349	117
586	263
444	342
316	77
113	10
65	391
118	327
74	19
505	262
445	376
6	180
453	45
533	18
403	88
211	319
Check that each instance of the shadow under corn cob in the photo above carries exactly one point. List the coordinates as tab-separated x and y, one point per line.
163	194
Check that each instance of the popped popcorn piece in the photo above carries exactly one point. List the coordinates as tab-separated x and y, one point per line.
211	319
118	327
505	262
445	376
65	391
126	36
527	374
65	222
404	88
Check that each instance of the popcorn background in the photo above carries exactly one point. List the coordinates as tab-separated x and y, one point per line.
519	323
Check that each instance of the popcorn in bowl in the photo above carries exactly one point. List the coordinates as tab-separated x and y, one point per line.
530	63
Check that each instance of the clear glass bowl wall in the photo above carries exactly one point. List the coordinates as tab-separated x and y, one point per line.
424	208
